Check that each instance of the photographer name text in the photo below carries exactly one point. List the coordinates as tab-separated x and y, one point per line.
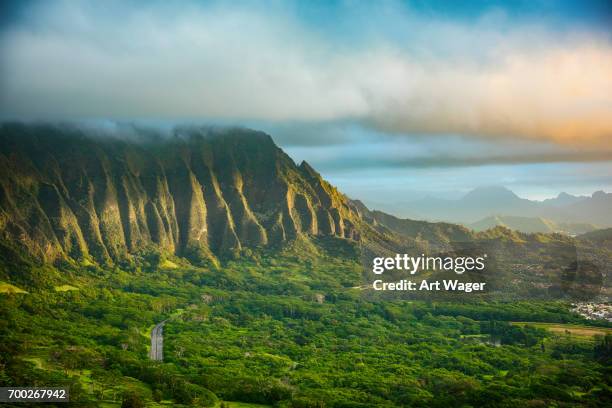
410	264
424	285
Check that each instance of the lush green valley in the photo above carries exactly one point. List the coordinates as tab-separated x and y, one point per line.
262	272
286	329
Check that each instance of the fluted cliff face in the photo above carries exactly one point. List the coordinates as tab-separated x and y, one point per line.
195	192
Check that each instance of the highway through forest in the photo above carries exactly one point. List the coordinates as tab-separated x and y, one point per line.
157	342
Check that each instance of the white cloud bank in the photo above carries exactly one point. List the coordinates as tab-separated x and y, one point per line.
76	59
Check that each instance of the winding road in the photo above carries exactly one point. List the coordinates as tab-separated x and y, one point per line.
157	342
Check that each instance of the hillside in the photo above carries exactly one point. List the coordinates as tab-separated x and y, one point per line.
602	237
520	264
432	232
196	192
530	225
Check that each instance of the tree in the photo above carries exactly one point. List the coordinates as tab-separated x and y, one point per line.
603	349
157	395
132	400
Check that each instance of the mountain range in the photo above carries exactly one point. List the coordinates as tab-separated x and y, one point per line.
485	207
206	195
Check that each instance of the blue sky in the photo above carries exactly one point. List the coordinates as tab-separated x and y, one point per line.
389	100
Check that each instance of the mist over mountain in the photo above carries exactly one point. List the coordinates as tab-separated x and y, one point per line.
195	192
496	201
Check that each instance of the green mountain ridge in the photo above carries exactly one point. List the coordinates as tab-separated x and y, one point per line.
199	193
208	194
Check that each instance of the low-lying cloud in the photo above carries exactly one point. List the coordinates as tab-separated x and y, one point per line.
492	78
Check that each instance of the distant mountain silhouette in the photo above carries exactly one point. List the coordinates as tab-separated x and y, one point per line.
563	199
596	209
484	202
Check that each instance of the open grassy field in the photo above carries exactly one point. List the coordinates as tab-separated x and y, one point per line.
575	330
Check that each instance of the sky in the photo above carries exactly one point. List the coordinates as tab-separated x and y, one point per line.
391	100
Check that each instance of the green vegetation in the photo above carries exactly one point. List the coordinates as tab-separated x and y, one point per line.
578	330
167	264
288	329
8	288
260	270
65	288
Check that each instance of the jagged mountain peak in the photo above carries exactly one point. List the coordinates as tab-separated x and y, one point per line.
194	191
563	199
600	194
491	193
308	170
